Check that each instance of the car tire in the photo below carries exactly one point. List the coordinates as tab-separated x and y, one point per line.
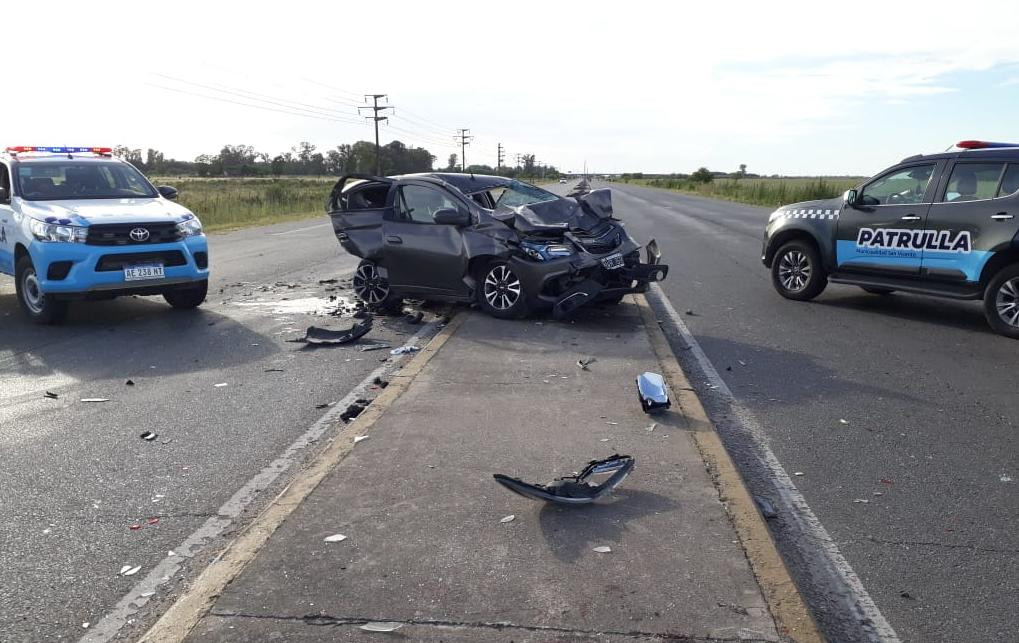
1001	302
187	298
877	291
372	289
500	293
40	307
797	273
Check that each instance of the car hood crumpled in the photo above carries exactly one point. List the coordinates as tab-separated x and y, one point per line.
582	213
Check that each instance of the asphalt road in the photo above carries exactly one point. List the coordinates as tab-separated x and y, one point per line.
74	476
909	397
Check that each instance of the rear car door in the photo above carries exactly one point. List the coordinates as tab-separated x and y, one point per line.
877	234
6	223
420	254
973	217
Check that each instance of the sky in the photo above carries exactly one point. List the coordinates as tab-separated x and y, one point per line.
791	88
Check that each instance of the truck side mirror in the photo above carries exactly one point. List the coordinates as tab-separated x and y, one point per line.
850	198
168	192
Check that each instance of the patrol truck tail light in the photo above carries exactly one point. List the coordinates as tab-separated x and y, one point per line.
58	233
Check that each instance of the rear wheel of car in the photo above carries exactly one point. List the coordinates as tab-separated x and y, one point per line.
373	289
187	298
40	307
877	291
1001	302
500	292
796	271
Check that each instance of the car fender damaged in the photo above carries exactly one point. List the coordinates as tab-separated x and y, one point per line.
561	252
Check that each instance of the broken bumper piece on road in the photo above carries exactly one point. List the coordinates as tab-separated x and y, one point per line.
604	283
574	490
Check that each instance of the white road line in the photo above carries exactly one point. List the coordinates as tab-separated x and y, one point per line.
110	625
311	227
791	498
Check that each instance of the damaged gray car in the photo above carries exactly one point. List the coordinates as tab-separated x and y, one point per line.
509	246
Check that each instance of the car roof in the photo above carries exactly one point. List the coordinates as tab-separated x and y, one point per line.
58	158
991	154
466	183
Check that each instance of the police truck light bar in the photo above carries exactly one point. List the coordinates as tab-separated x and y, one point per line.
982	145
60	150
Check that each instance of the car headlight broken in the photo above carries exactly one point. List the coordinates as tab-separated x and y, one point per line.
545	251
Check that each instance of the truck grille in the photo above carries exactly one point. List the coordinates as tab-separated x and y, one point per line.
119	234
112	263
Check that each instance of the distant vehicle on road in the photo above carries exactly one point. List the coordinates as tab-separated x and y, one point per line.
938	224
562	180
507	245
76	223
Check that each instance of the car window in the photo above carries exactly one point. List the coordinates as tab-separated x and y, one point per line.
899	187
419	203
1010	182
518	193
973	181
363	195
5	182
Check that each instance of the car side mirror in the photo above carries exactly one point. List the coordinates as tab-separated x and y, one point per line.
850	198
168	192
452	216
4	195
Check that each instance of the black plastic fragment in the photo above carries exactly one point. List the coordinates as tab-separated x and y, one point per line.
351	412
379	382
50	395
316	336
574	490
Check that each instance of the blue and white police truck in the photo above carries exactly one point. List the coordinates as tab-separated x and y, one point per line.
77	223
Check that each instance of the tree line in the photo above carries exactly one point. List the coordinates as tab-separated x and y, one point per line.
305	159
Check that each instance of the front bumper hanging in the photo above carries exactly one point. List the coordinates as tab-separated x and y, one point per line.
590	289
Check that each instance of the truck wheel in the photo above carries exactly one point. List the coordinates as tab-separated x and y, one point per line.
187	298
877	291
797	273
1001	302
373	289
40	307
500	292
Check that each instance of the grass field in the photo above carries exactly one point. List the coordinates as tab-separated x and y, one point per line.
766	192
223	204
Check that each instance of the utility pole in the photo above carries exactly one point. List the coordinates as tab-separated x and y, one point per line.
376	108
465	140
498	162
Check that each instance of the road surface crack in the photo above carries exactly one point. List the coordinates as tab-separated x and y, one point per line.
324	620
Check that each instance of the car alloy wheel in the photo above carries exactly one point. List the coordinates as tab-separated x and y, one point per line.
501	288
794	270
1006	302
371	287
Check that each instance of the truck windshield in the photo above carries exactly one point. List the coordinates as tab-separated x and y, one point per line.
53	180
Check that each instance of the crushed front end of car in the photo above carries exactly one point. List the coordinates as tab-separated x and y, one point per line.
572	251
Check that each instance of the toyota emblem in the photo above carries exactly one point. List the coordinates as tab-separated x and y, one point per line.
139	235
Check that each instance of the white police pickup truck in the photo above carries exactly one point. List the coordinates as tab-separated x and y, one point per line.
77	223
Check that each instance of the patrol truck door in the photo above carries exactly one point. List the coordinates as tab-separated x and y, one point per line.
974	216
878	233
6	223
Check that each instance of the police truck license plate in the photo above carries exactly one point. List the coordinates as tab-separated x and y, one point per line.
612	262
142	272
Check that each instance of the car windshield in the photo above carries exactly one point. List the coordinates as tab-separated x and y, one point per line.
51	181
518	193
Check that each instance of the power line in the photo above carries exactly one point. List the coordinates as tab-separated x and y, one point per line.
255	106
376	108
465	140
263	98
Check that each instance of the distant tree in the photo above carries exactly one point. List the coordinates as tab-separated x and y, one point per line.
153	160
451	166
134	157
702	175
742	171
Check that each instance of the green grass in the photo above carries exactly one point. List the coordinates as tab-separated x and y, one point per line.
766	192
224	204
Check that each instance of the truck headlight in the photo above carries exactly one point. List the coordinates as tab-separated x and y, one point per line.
189	228
58	232
545	251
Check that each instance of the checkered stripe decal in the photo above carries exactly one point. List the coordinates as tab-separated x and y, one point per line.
810	214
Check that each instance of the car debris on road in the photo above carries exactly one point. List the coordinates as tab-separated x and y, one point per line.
315	336
652	392
573	490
